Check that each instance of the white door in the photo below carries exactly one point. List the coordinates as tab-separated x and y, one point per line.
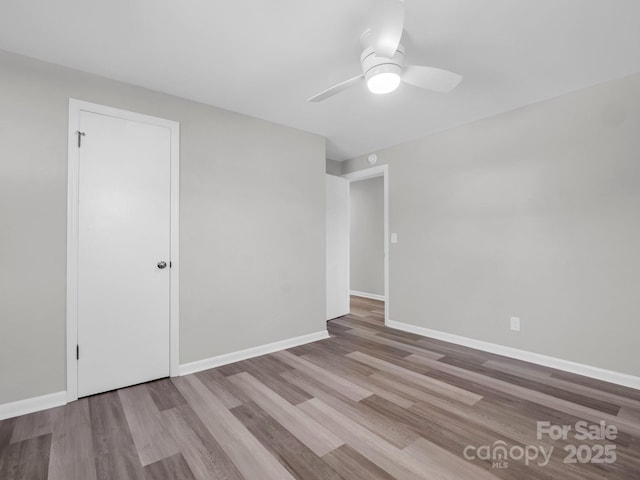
124	228
337	206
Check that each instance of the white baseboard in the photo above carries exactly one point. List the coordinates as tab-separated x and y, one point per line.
43	402
33	404
544	360
227	358
372	296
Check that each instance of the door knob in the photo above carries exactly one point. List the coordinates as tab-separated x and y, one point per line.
162	265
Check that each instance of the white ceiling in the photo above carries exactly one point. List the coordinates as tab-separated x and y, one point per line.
264	58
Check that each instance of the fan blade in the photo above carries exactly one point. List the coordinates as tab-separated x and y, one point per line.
388	23
431	78
330	92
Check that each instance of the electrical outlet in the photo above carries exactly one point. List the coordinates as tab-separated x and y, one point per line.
515	324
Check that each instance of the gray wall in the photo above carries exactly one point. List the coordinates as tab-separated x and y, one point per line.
251	228
533	213
367	236
333	167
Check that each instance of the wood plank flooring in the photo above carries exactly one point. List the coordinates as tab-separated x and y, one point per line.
368	403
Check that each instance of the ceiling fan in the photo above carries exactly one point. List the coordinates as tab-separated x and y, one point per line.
382	59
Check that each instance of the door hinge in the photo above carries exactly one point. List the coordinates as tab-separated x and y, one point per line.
77	352
80	135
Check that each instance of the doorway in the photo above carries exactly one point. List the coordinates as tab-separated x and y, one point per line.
369	239
366	238
122	275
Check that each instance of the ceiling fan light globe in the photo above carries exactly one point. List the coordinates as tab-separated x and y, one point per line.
383	83
383	79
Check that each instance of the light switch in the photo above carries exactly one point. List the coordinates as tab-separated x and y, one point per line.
394	238
515	324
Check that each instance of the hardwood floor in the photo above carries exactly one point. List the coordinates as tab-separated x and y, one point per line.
369	403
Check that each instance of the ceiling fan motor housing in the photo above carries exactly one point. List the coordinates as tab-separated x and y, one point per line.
372	64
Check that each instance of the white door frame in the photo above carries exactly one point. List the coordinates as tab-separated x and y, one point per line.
379	171
75	107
